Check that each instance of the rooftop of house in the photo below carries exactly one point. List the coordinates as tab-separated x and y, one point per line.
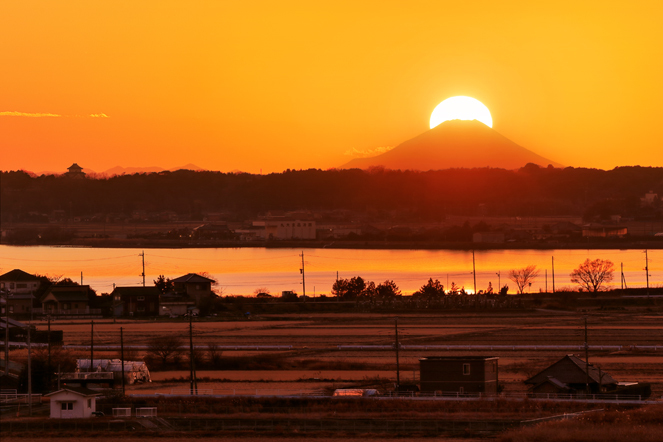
193	278
137	291
77	390
18	275
68	293
572	370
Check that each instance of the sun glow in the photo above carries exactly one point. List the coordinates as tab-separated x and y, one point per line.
461	108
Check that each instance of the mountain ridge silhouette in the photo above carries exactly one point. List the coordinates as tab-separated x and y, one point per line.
454	144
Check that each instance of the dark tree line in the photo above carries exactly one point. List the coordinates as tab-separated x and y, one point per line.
419	195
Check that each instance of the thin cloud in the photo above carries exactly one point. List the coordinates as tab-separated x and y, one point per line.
45	114
356	153
27	114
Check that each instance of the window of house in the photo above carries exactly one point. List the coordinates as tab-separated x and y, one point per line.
21	286
2	285
141	298
140	308
11	285
466	369
117	297
89	403
11	309
67	406
198	287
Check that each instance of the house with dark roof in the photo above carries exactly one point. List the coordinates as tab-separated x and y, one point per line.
198	288
17	281
136	301
571	375
66	299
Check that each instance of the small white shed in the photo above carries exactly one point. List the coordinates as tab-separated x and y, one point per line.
73	403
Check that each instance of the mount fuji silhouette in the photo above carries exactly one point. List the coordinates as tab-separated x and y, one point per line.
454	144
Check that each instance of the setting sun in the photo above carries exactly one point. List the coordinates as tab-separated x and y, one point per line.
461	108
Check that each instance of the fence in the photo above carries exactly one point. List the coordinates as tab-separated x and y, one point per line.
430	426
243	392
441	395
16	399
540	396
146	412
121	412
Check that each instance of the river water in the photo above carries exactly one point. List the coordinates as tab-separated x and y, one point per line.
240	271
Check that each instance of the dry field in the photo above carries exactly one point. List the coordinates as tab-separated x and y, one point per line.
315	363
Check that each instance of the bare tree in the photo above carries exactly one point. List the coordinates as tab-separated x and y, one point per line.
524	277
164	347
214	355
592	275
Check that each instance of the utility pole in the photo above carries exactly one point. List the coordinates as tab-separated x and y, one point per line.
192	365
586	355
48	364
553	273
474	273
122	358
398	367
7	334
647	270
303	276
546	280
91	345
29	373
499	281
143	274
81	278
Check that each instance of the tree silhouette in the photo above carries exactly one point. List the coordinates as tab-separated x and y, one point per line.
164	348
433	289
592	275
164	284
524	277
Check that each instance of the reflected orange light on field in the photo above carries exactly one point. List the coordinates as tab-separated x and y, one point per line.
267	85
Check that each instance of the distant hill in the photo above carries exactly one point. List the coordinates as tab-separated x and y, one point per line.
454	144
119	170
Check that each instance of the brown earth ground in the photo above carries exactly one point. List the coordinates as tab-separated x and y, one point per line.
315	364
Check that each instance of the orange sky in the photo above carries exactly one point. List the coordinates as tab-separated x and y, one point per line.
280	84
